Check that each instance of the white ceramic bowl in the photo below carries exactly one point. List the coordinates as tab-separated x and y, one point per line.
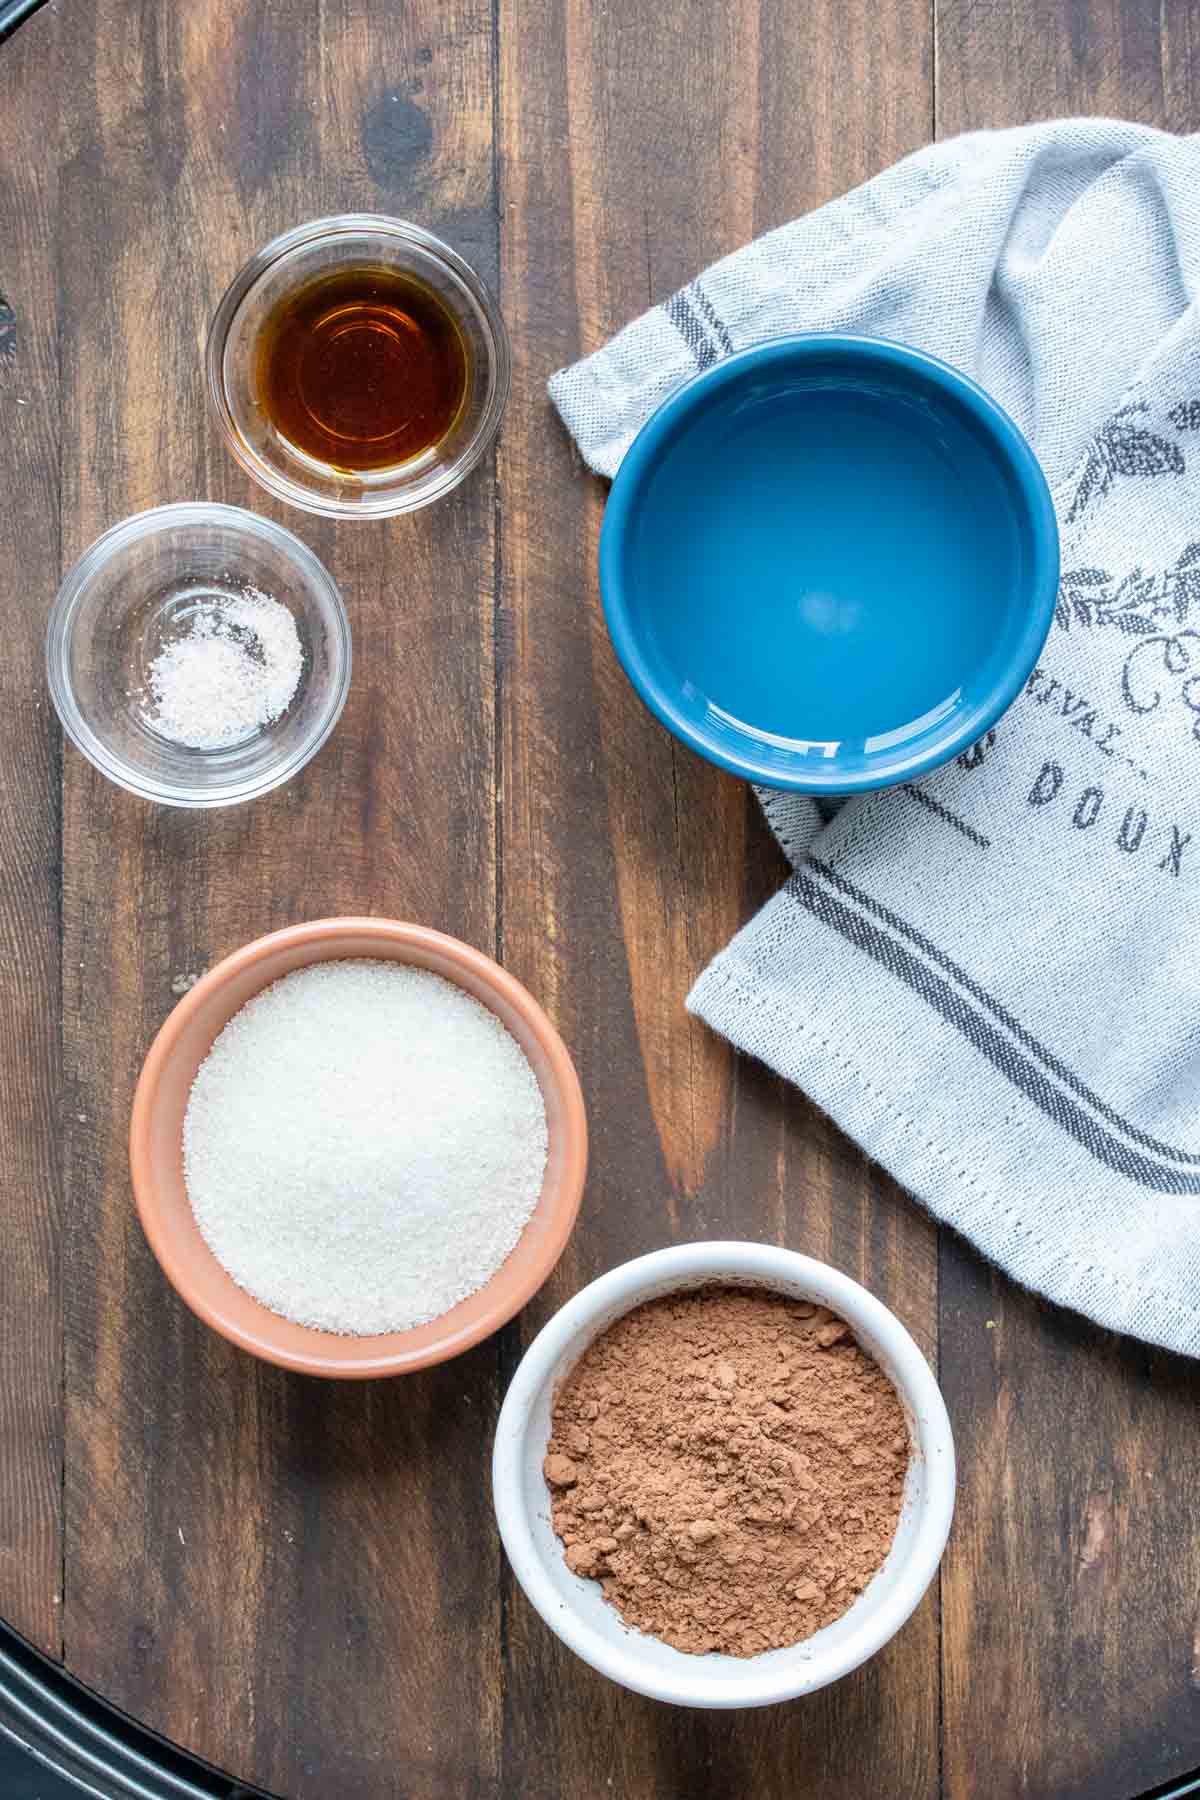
577	1610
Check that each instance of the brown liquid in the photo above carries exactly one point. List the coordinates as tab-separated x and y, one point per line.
362	369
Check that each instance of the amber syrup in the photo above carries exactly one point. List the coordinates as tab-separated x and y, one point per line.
362	368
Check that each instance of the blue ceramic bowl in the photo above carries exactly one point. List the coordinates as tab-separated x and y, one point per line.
829	563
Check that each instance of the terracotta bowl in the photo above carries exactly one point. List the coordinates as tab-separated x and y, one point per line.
156	1150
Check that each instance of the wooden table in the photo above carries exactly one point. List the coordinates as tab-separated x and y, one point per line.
302	1581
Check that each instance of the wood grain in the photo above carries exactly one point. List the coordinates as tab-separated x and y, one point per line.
32	1101
636	145
303	1581
255	1563
1071	1592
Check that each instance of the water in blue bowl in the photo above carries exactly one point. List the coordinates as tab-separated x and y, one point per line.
824	569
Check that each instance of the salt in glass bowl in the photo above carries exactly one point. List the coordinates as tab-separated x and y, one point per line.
323	247
575	1608
133	592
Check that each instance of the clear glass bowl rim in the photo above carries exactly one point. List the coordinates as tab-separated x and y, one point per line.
60	626
315	231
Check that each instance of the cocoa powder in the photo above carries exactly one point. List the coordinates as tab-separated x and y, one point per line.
728	1464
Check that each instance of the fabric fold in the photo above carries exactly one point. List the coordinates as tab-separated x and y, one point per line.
991	980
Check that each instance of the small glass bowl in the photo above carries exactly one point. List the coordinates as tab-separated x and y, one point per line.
133	592
321	248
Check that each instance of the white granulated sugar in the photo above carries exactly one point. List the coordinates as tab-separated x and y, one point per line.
233	670
363	1146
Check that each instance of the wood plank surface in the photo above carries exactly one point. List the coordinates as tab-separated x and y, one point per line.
33	1104
1071	1590
637	144
302	1580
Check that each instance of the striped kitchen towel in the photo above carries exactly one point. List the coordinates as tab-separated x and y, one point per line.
992	980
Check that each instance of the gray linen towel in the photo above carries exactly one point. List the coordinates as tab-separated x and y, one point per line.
992	980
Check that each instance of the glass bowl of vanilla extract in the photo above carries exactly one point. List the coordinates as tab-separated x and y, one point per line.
358	367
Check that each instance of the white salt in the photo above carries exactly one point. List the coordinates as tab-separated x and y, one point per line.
233	670
363	1146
